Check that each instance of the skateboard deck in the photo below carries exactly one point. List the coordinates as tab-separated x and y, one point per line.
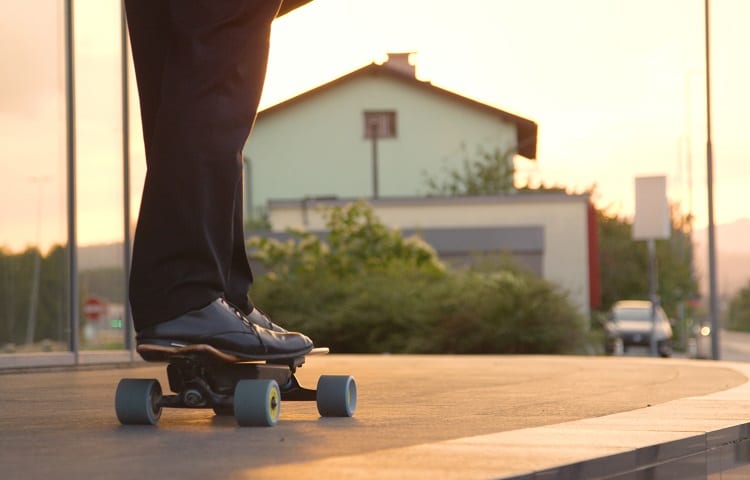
160	353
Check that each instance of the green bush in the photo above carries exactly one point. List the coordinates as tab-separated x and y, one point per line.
509	311
403	311
369	290
739	310
357	241
379	312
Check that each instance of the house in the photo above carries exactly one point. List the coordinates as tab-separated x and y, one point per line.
375	132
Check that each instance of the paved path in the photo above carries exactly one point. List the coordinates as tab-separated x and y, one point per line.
415	413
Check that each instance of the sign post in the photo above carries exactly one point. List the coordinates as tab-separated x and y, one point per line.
651	223
94	309
378	124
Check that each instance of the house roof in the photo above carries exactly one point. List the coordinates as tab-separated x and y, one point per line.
526	130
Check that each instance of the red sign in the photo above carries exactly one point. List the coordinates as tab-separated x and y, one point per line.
94	308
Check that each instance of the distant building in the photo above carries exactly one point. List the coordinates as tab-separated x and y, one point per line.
553	234
320	142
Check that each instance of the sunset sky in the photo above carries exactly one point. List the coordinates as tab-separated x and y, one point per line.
616	86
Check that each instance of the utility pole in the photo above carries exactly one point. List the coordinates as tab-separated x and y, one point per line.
373	128
378	125
713	295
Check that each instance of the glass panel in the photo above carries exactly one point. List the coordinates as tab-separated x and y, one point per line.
33	220
99	174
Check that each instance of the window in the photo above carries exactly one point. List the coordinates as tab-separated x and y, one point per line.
380	124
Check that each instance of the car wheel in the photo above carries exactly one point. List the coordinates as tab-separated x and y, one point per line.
664	349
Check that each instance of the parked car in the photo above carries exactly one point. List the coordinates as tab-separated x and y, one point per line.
629	324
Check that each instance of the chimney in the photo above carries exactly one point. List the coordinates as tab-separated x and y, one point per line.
400	62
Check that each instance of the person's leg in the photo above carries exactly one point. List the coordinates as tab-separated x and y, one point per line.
240	276
200	66
148	25
187	247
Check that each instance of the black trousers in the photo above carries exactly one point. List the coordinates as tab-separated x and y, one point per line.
200	67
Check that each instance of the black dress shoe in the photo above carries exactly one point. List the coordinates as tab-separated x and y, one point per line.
261	319
226	329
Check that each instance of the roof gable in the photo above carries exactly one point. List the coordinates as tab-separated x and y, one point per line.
526	130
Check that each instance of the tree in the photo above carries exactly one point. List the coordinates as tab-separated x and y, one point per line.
357	241
739	310
623	261
487	172
16	282
624	266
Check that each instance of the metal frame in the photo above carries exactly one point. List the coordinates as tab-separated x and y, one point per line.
71	172
126	241
70	112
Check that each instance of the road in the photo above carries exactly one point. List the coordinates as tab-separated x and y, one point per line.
735	346
62	424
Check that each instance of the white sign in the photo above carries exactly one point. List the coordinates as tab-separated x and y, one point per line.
651	208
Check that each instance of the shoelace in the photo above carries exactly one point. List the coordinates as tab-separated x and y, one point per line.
266	318
245	320
269	324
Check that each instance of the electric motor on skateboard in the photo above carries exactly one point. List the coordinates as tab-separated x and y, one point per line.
203	377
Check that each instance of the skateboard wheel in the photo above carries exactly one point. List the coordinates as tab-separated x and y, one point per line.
257	403
337	396
137	401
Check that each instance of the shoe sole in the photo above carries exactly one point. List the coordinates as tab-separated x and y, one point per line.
158	352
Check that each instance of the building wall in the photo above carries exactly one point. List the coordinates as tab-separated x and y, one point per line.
317	147
563	217
458	247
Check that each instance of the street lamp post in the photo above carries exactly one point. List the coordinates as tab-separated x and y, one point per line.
713	296
373	129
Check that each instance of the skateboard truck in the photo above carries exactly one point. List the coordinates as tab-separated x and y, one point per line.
200	385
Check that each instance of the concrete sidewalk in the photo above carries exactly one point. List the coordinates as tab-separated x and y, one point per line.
418	417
